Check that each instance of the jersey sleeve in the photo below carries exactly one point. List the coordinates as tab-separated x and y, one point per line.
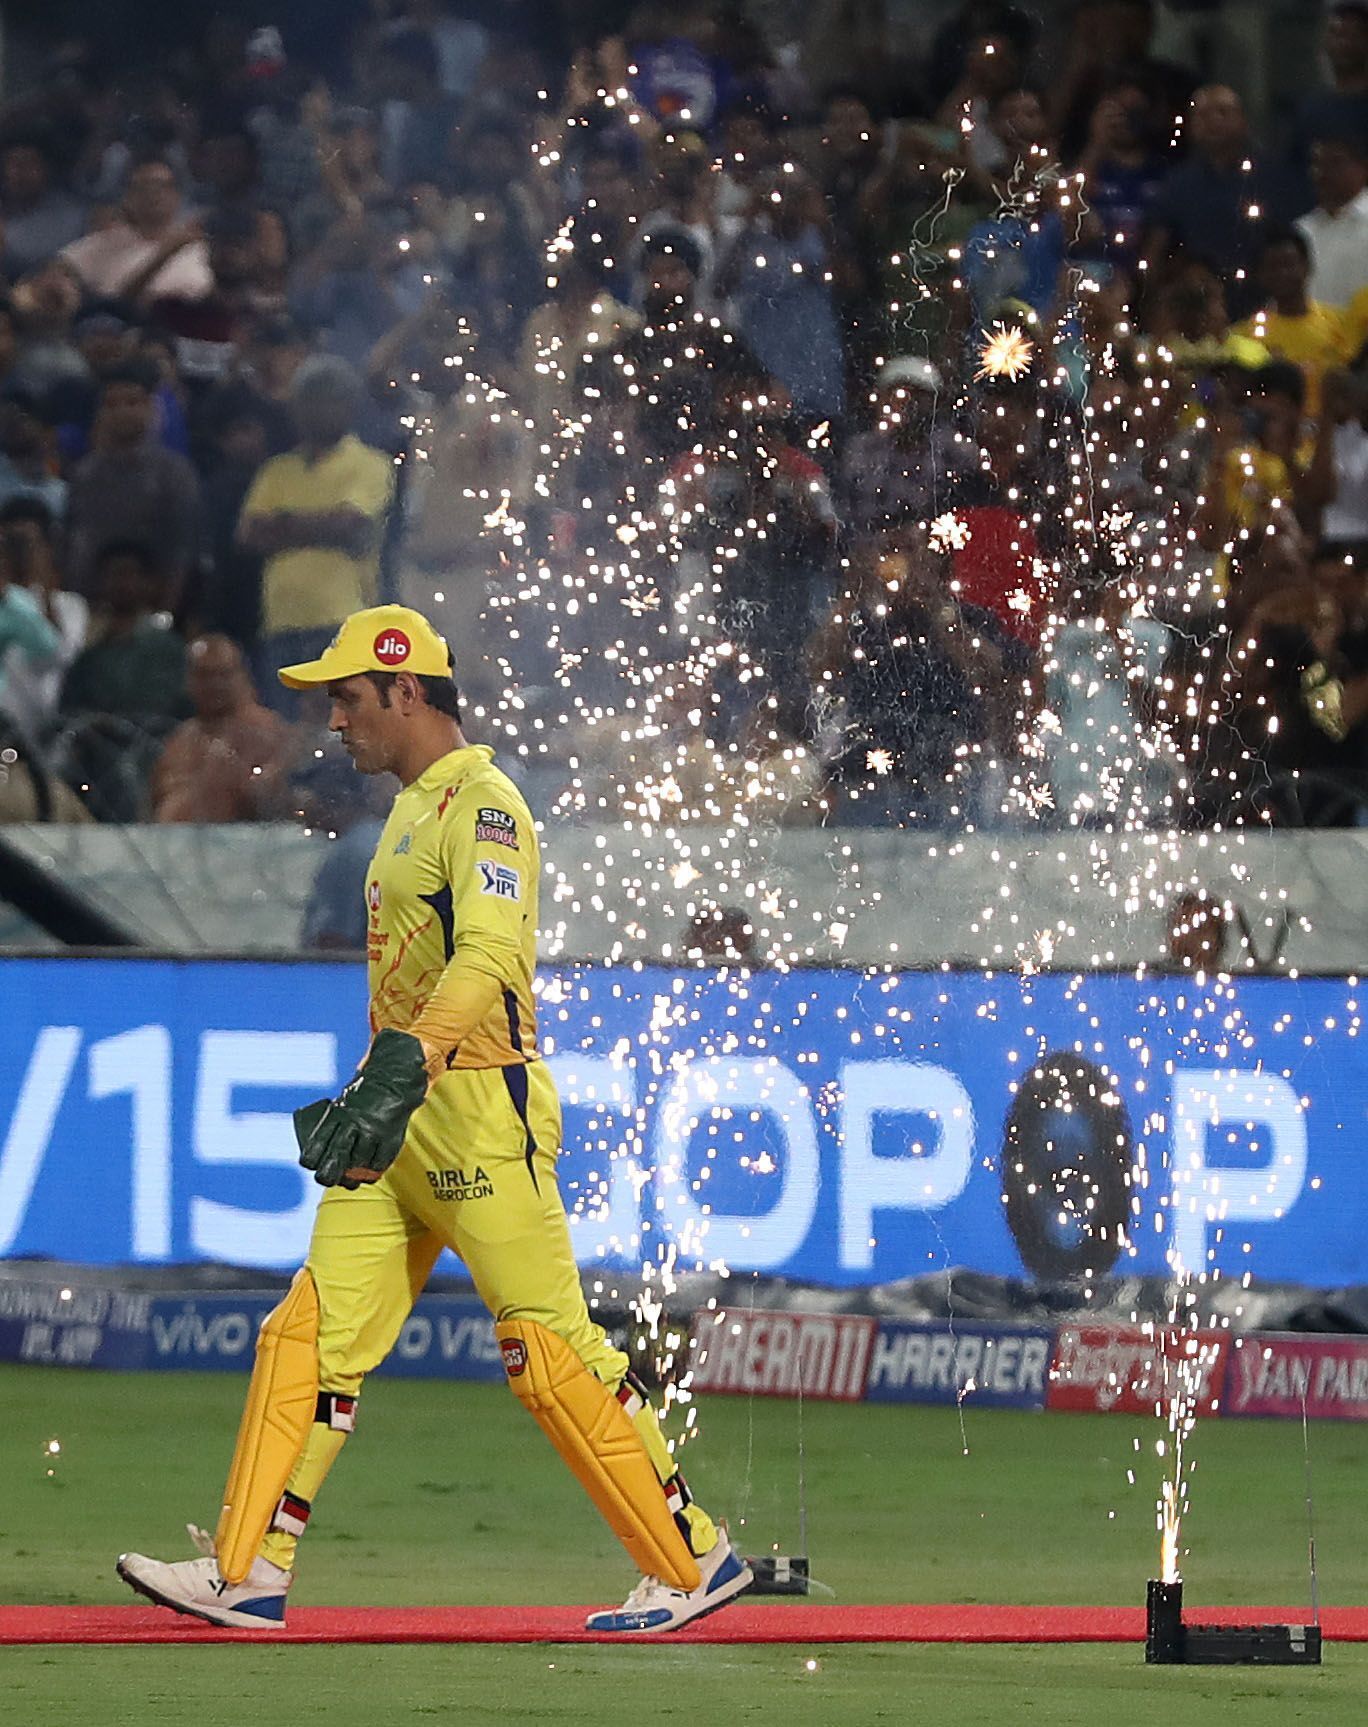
488	855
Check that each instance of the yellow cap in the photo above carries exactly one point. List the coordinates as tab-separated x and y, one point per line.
382	639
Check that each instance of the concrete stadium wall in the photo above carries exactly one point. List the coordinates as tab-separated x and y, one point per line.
852	897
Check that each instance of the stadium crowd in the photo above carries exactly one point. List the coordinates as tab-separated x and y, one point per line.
980	433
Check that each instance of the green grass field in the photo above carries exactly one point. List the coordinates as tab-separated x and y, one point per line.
448	1494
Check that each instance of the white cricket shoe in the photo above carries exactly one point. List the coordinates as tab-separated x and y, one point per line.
657	1606
194	1586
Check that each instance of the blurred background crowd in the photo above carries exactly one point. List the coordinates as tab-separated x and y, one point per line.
960	428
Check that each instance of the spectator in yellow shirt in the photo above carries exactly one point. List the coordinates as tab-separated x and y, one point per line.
315	515
1290	324
1256	471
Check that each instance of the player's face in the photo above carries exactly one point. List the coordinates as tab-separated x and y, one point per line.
364	724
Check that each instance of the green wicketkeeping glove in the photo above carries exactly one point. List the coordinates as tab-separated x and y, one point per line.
363	1127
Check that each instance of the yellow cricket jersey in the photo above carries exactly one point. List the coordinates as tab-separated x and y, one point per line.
314	587
451	898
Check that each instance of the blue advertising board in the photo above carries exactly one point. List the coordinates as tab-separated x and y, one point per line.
831	1126
445	1336
990	1366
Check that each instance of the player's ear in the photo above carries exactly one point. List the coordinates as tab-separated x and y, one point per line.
406	686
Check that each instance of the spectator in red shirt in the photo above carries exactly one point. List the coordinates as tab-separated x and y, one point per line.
1008	519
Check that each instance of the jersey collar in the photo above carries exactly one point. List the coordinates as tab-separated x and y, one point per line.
452	768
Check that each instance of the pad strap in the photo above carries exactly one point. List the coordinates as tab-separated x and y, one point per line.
291	1516
336	1410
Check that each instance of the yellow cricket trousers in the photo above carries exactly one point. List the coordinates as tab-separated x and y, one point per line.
477	1174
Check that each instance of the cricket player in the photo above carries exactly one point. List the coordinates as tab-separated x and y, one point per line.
447	1136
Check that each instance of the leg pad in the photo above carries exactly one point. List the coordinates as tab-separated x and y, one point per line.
282	1401
595	1435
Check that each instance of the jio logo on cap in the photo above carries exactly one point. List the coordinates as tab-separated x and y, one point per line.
392	647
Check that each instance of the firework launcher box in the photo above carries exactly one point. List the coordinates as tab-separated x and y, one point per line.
1171	1643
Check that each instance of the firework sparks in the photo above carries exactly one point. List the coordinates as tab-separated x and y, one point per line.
662	657
948	533
649	601
1006	352
500	519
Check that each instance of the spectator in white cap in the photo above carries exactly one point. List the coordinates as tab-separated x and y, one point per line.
897	469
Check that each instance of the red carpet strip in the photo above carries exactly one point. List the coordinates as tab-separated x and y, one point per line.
747	1622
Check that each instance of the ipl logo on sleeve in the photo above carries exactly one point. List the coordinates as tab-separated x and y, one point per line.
500	880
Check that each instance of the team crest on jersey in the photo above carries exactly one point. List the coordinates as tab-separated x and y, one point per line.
405	844
500	880
496	827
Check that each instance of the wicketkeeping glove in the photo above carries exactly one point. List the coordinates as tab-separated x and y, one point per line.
363	1127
